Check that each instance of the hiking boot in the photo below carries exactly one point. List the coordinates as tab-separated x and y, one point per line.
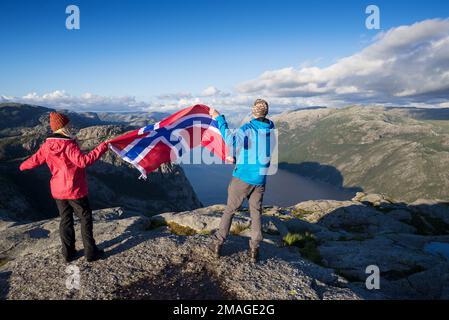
70	257
253	255
215	248
98	255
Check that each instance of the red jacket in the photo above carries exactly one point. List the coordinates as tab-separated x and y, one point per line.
67	165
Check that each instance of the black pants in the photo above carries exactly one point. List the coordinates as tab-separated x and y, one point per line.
82	209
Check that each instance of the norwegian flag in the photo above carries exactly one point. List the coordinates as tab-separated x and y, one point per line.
166	141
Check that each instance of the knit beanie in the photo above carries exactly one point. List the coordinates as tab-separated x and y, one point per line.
260	108
58	121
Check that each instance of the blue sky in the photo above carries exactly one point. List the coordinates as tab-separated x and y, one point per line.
147	48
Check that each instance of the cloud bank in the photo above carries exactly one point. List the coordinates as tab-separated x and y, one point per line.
405	65
59	99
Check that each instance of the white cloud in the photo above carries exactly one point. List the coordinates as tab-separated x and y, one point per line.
175	96
212	91
234	106
5	98
405	65
59	99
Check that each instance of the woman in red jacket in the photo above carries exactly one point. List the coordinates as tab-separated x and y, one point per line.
68	184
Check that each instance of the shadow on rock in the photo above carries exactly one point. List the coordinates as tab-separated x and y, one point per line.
131	237
409	243
4	284
188	280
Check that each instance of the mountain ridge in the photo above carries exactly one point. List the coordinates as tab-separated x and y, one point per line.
381	150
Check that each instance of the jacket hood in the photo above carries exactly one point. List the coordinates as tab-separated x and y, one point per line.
259	125
56	144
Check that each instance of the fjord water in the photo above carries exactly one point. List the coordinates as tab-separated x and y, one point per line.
210	183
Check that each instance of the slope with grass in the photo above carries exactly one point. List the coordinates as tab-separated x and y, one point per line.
403	153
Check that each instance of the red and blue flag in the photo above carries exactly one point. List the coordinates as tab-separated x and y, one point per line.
166	141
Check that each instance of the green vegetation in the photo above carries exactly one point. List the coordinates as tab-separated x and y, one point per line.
292	238
175	228
180	230
3	261
238	228
300	213
307	243
299	239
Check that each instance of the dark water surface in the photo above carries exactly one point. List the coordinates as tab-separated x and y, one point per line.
283	189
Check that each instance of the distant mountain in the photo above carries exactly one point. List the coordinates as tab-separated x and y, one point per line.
112	182
139	119
402	152
13	114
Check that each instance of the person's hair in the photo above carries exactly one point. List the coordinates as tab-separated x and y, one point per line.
65	131
261	103
260	108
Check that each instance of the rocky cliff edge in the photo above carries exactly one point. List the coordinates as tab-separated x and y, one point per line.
314	250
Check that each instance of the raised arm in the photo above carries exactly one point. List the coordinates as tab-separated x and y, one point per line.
34	161
232	139
81	160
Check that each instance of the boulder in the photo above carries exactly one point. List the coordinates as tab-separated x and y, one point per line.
398	265
429	284
361	219
313	211
207	220
372	199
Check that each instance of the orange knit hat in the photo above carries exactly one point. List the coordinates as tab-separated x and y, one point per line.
58	121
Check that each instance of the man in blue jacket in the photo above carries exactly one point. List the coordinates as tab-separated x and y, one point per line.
251	146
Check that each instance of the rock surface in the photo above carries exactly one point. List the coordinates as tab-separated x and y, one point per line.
154	264
312	253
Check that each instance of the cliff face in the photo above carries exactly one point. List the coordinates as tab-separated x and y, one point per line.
112	182
314	250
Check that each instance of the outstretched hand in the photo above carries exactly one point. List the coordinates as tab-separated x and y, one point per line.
214	113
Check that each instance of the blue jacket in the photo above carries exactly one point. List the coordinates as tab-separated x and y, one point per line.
251	145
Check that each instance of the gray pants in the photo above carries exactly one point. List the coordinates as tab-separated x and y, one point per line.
238	191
